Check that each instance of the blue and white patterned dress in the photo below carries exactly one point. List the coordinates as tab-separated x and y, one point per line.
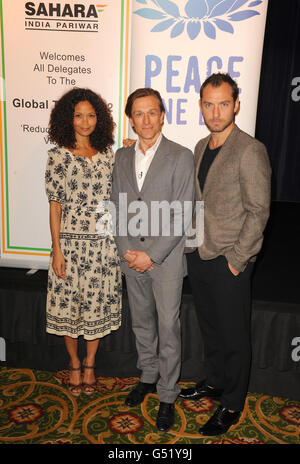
88	302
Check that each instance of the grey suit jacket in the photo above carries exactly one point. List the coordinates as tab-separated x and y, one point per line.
236	197
170	178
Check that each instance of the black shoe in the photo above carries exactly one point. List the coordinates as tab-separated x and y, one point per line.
220	422
137	395
165	417
201	390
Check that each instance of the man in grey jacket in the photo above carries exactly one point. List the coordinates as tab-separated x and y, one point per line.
233	180
156	176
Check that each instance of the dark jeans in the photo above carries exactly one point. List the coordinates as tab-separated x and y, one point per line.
223	306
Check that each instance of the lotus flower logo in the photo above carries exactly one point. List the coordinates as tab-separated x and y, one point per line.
197	15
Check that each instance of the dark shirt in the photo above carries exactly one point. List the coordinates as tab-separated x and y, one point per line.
207	160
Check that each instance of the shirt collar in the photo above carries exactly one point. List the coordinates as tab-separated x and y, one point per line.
150	150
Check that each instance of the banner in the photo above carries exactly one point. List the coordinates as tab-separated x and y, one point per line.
48	48
179	43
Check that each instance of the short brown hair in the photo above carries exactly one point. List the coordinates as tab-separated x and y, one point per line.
143	92
217	79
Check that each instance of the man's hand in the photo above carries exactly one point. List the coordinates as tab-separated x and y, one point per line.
234	271
138	260
129	256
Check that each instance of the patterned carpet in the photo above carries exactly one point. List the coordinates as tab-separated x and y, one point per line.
37	408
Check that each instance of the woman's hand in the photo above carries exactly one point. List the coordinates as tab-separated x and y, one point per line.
58	264
128	142
58	260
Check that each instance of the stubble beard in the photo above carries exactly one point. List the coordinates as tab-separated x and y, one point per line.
214	130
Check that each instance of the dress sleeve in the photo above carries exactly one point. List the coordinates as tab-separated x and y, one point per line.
55	177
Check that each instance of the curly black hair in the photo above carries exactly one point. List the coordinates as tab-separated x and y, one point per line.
61	130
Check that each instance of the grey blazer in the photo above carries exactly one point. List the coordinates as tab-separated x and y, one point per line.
170	178
236	199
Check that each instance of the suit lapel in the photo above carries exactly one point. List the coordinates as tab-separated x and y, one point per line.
223	153
225	150
129	168
198	160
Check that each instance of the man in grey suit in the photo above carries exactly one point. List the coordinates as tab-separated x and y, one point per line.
153	173
233	179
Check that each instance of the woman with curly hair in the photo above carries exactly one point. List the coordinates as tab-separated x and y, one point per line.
84	280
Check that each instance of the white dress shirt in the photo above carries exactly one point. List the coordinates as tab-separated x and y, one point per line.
143	161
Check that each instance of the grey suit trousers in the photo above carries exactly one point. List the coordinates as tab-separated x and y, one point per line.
154	307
